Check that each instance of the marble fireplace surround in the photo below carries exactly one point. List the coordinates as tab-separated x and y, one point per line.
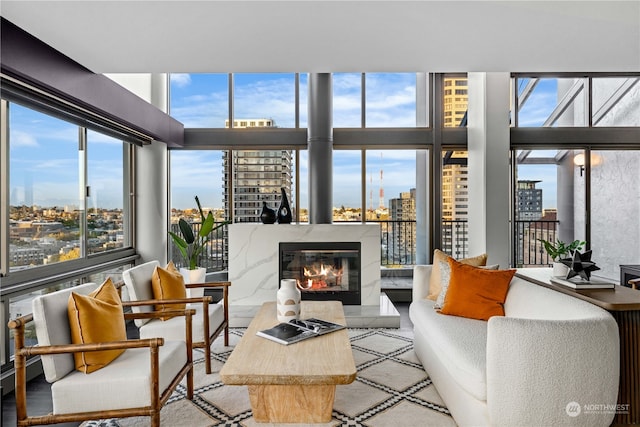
253	269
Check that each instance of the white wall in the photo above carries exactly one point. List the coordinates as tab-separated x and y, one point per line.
151	189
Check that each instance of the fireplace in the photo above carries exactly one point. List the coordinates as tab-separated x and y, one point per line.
323	270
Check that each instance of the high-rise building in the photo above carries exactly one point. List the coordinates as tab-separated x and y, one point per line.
455	203
258	175
529	201
402	211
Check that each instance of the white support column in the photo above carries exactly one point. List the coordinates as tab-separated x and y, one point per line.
422	173
489	173
151	201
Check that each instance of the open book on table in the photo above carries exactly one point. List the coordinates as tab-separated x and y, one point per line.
298	330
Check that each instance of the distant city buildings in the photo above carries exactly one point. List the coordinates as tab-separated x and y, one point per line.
528	201
455	203
402	233
256	176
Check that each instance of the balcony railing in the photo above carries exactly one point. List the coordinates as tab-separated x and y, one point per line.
529	251
398	243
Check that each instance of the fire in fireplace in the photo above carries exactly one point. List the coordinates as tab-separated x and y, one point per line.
323	270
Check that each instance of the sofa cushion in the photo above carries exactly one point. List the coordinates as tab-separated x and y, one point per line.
168	283
138	282
445	277
129	374
476	293
460	343
435	280
51	318
174	329
96	318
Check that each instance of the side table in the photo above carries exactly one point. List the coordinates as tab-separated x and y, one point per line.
624	305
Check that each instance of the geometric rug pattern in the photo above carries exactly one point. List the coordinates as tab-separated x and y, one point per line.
391	389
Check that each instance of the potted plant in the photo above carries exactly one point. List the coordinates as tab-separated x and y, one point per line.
191	244
559	250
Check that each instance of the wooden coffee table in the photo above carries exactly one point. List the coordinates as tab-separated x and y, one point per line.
293	383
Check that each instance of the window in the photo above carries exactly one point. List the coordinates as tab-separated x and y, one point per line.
551	102
45	208
265	96
390	99
200	100
454	215
347	100
347	189
549	176
616	101
107	200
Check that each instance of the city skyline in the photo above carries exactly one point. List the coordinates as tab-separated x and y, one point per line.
390	102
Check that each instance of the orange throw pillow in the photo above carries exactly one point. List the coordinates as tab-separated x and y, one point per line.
96	318
168	283
435	282
476	293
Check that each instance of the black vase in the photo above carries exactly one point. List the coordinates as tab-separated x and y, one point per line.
284	211
268	215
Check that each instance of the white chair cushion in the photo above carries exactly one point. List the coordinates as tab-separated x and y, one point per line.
462	340
124	383
138	283
52	328
174	328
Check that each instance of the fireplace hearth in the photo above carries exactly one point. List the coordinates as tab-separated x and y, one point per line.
323	270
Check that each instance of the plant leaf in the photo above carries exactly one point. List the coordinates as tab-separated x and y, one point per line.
187	231
207	225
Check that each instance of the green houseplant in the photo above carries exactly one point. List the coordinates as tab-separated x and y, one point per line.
191	243
560	250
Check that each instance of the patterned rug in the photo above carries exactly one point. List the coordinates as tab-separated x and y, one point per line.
391	389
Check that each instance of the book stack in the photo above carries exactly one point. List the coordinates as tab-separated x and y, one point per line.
581	284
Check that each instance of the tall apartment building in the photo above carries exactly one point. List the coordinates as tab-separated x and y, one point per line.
455	196
529	201
258	175
402	241
455	203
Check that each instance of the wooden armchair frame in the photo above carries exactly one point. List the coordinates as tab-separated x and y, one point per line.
157	400
209	335
635	283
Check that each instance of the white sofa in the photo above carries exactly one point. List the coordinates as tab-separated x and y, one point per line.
526	368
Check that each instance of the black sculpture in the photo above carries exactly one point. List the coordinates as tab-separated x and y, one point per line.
268	215
581	265
284	211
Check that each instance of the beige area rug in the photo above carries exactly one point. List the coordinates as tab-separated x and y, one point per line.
391	389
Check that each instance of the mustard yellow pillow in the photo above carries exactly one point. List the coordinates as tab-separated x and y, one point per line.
96	318
168	283
435	285
476	293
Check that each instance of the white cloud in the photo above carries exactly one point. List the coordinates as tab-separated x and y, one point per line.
22	139
181	79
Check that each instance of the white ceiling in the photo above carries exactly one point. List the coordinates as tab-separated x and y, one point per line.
337	36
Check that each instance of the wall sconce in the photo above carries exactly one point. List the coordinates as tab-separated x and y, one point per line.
579	160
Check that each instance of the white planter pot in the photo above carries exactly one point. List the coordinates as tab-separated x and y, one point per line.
288	301
194	276
560	270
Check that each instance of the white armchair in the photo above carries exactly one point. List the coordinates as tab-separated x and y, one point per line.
209	319
137	383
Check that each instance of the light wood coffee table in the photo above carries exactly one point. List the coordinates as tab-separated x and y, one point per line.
293	383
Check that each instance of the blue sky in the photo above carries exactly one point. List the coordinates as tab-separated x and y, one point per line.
45	162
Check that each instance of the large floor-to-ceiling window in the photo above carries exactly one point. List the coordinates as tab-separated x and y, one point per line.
67	208
573	175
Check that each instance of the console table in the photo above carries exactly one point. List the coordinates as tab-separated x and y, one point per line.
628	272
624	305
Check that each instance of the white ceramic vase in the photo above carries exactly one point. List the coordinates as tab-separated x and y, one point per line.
288	301
560	270
194	276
